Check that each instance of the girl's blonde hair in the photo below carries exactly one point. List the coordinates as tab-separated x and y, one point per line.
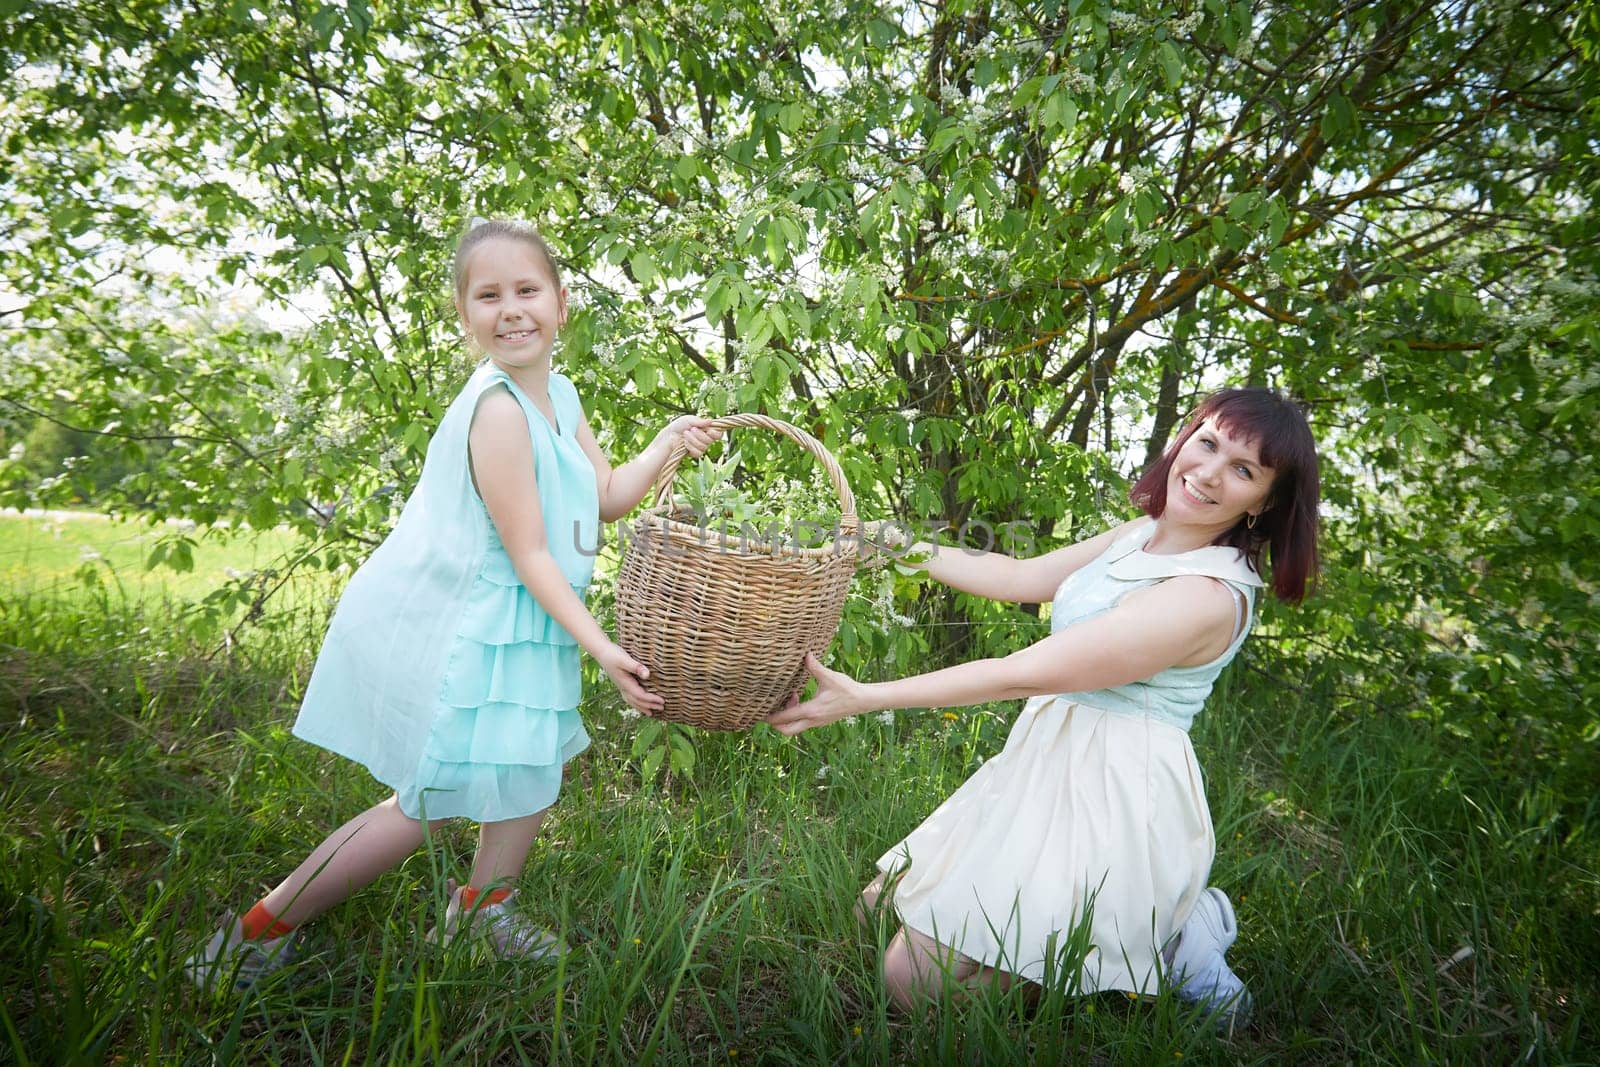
481	230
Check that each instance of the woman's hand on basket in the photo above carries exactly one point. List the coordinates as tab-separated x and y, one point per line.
696	433
628	673
838	696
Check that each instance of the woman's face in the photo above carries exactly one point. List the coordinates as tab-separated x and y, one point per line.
1217	479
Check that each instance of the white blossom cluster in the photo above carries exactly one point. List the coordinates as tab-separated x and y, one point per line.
563	118
830	286
1533	321
1580	384
883	600
1185	25
858	171
604	350
285	406
714	391
1139	176
765	85
800	501
984	112
1124	20
1581	286
1076	80
887	274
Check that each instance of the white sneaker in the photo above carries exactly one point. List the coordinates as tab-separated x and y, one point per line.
504	930
229	956
1200	970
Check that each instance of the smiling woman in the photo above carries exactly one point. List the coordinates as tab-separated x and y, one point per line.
1244	450
1091	828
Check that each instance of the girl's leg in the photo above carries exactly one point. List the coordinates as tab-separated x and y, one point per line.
485	901
349	859
503	849
915	966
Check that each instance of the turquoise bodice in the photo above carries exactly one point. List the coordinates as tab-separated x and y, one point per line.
1175	695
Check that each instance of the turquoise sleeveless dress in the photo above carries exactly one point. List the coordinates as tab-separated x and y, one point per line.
1093	818
440	672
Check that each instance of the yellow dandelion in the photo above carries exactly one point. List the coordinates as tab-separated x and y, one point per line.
636	941
856	1030
1177	1055
951	716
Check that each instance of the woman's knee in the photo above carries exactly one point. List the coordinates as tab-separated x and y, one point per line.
867	903
902	979
915	968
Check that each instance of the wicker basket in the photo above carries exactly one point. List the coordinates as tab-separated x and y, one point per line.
722	622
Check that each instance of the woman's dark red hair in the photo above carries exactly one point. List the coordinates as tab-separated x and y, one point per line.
1287	527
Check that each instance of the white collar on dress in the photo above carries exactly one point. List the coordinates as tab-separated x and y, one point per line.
1130	562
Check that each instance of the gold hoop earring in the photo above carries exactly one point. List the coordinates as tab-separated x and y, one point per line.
1250	521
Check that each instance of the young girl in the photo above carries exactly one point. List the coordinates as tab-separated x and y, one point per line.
1094	815
450	669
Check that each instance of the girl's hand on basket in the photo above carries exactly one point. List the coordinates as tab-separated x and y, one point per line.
697	434
628	673
838	696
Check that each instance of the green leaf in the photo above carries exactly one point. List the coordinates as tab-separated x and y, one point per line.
646	377
262	514
652	763
1171	64
647	734
1277	221
1116	224
643	266
1239	207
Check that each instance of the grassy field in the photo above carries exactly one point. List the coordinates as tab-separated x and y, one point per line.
49	554
1398	903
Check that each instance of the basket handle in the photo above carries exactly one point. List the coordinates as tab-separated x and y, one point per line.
847	500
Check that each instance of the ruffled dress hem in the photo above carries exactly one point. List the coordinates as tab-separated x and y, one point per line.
507	719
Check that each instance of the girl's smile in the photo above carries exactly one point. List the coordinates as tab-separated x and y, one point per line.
512	307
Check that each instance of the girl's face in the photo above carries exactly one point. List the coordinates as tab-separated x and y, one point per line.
510	304
1216	479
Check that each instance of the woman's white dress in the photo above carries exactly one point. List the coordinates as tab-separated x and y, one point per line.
1077	853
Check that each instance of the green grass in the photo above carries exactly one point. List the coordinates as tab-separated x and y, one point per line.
150	784
51	553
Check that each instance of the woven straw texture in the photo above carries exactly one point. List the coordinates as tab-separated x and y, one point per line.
724	621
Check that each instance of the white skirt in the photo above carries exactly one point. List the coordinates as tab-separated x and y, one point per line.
1091	827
